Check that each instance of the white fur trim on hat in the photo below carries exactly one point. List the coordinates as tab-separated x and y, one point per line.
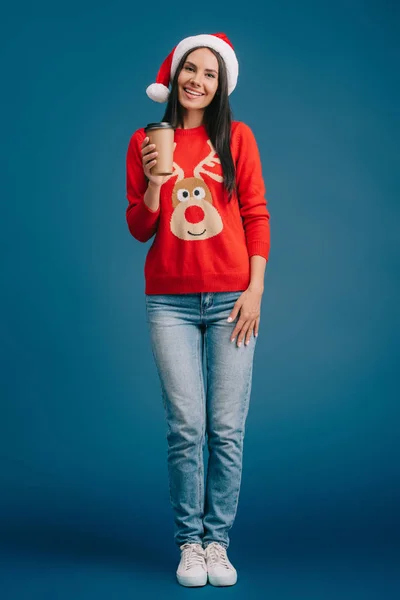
157	92
217	44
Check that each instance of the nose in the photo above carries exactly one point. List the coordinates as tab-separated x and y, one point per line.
196	79
194	214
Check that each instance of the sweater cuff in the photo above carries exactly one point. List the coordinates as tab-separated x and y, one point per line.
142	222
258	248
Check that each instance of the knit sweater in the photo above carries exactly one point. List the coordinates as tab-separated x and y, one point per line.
202	242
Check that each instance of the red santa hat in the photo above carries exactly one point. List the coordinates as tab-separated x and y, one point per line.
159	91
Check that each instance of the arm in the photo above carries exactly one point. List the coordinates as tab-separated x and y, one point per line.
255	217
251	193
249	304
152	197
143	212
257	270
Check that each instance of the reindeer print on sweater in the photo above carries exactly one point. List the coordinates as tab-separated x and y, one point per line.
201	240
194	216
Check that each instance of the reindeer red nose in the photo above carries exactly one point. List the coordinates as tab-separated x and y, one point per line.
194	214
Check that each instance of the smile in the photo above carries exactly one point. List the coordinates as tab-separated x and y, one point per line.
190	233
192	94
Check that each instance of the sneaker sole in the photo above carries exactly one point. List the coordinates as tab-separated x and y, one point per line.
198	581
222	581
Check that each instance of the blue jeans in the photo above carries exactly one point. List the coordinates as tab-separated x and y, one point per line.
182	327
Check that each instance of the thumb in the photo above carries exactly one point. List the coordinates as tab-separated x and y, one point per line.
235	311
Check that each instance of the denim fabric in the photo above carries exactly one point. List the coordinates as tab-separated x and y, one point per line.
183	327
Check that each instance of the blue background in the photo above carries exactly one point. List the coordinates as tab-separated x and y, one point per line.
84	505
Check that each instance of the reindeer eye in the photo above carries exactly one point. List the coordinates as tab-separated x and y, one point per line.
199	192
183	195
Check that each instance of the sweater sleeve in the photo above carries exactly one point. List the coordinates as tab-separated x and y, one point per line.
142	221
251	193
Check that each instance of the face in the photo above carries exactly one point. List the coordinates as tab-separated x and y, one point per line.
198	79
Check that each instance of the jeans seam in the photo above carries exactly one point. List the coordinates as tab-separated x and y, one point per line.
164	400
200	457
243	416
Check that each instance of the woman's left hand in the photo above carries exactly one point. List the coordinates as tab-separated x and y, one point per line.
249	305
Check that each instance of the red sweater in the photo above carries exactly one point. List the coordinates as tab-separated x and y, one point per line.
202	242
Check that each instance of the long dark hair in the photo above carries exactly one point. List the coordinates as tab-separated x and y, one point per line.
217	119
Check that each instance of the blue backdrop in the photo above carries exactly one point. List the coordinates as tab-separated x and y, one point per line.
84	504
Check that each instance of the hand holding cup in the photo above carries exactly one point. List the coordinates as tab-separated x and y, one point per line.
157	151
149	160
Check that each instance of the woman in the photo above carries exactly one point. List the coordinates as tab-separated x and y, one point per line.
204	283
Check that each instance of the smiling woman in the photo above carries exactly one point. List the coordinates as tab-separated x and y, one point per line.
197	84
204	284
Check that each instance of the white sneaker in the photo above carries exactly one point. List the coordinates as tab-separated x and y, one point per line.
220	570
192	569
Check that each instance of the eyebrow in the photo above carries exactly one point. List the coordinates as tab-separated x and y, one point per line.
193	65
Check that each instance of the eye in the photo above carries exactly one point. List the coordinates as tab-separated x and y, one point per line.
189	68
183	195
199	193
211	75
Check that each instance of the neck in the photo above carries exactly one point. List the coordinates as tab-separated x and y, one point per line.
192	118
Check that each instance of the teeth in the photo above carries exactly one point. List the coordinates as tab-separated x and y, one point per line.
193	93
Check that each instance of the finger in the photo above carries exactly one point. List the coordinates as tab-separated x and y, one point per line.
147	149
149	157
244	317
237	329
249	333
148	168
235	311
146	146
257	327
242	333
150	164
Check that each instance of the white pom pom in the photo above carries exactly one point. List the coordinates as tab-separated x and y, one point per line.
158	92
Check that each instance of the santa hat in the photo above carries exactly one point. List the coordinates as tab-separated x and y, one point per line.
159	91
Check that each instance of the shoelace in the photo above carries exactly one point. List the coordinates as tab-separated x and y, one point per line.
193	554
217	554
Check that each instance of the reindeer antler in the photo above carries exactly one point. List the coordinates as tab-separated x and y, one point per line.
210	161
177	170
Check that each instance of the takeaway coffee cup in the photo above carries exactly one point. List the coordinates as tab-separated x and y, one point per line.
162	135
